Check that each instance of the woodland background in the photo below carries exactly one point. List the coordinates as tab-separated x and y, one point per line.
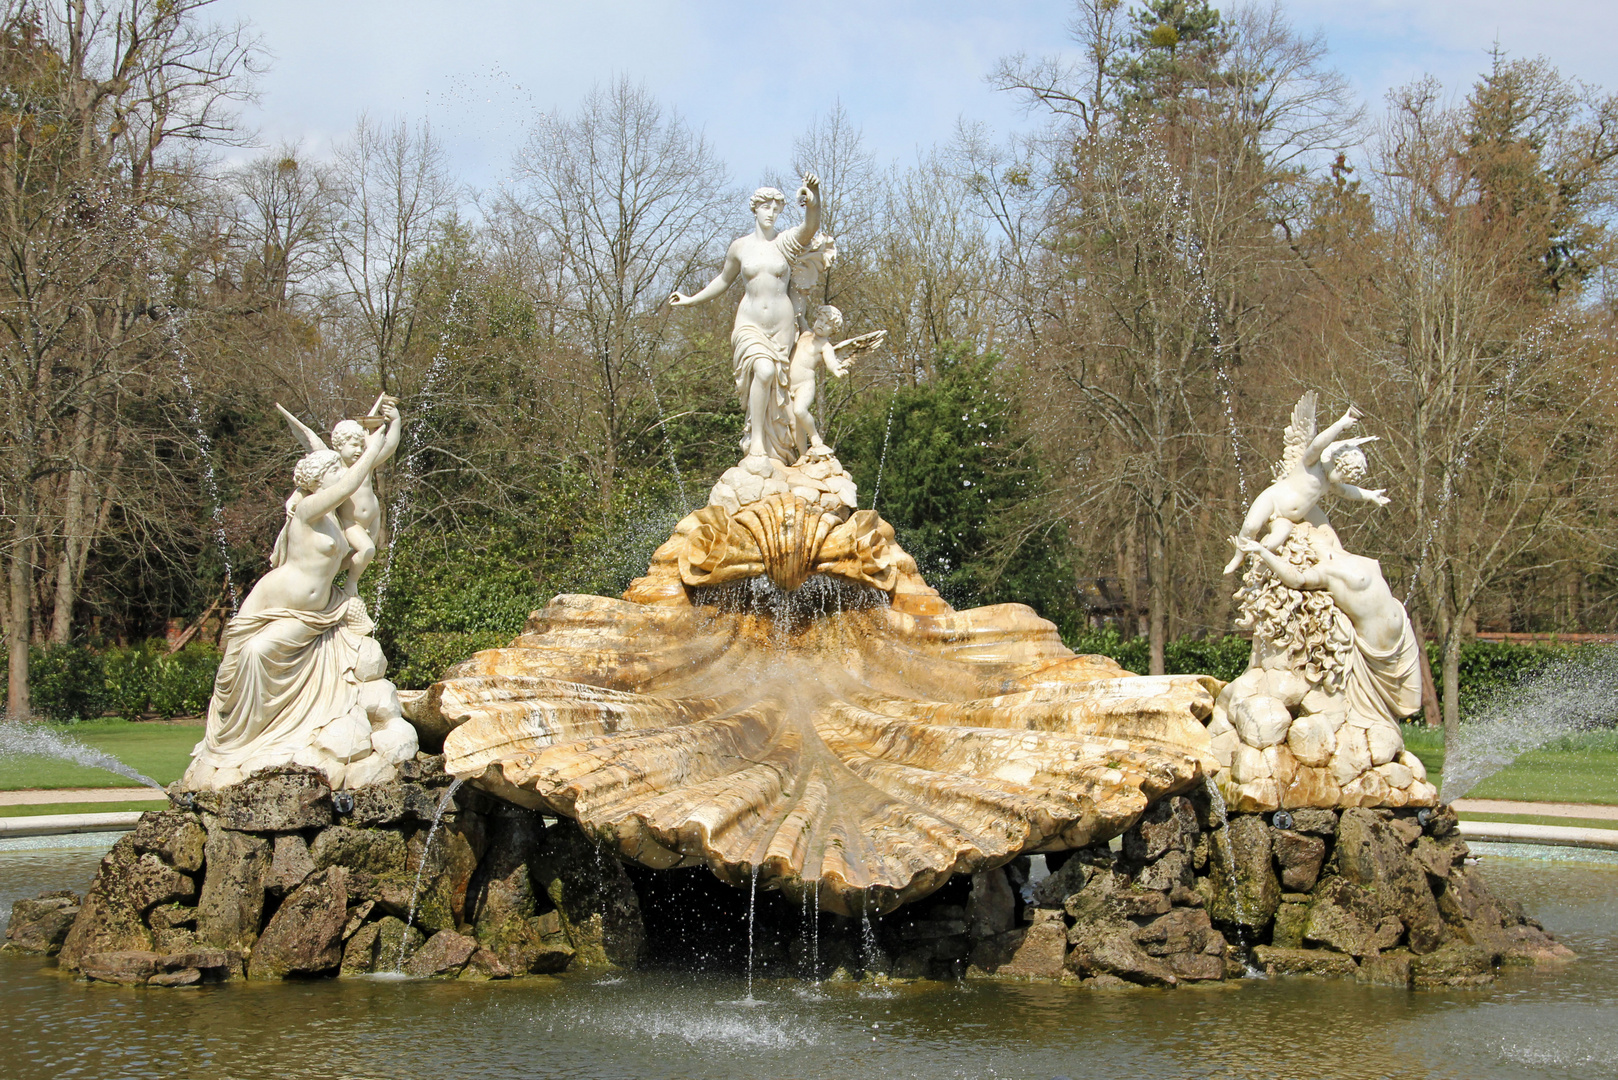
1096	334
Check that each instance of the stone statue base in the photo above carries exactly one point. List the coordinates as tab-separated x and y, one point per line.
818	480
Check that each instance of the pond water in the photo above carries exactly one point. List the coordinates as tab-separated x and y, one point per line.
650	1026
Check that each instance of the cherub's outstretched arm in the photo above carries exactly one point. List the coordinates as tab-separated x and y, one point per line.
1370	495
1318	445
305	435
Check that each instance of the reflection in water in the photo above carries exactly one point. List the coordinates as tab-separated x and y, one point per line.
655	1026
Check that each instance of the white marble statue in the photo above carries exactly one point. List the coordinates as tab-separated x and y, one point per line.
814	350
301	681
766	323
1311	466
1335	665
361	515
1383	676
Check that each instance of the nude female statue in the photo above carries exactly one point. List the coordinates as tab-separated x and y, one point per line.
766	324
288	674
361	514
314	546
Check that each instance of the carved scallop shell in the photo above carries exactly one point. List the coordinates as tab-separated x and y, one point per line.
835	743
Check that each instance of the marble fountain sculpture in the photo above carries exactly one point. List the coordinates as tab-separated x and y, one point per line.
1314	720
782	698
302	679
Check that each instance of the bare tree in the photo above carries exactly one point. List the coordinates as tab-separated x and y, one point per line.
105	96
392	187
627	201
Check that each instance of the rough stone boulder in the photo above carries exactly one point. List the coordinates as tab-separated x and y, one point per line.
40	925
305	936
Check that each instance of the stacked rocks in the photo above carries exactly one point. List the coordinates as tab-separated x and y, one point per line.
1370	894
281	876
1281	742
821	482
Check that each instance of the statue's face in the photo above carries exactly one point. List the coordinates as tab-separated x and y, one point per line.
349	447
333	473
766	213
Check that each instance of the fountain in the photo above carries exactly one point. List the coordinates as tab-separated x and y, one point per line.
781	725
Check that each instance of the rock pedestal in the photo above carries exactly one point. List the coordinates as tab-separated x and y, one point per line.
280	877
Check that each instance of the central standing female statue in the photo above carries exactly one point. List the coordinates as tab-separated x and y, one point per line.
766	325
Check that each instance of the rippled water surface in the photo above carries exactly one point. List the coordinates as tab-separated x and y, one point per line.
650	1026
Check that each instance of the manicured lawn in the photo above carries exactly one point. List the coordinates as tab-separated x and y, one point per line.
85	808
1577	769
161	751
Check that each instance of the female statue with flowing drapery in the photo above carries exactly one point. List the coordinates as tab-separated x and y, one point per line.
287	690
766	324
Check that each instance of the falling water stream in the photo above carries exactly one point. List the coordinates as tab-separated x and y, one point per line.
399	511
210	481
426	851
33	740
1566	696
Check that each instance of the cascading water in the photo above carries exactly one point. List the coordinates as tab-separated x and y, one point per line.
32	740
1565	697
752	905
210	481
426	850
887	432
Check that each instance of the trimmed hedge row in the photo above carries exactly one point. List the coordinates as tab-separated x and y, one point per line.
76	682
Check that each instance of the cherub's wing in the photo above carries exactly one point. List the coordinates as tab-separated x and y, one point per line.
309	439
1298	435
854	346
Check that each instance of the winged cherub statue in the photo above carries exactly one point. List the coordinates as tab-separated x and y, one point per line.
1311	466
814	348
360	516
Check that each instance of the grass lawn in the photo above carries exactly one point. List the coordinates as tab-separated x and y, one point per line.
161	751
101	808
1578	768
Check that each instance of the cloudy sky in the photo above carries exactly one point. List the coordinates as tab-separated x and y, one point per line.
753	76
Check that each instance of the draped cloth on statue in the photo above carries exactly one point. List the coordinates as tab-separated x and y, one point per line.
286	674
1385	683
748	346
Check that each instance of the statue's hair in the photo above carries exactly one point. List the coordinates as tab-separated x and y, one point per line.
833	318
311	467
1351	462
767	194
346	429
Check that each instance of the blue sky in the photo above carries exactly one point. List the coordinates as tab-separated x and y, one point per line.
753	76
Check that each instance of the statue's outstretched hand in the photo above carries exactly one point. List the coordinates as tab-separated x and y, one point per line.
1378	496
1247	544
390	412
1351	417
678	299
809	193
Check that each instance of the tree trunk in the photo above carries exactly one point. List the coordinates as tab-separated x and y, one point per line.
1452	676
1156	595
20	574
1429	693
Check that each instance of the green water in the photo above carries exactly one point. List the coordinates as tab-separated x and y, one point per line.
650	1026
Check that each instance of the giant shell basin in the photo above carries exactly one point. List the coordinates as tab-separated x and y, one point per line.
783	698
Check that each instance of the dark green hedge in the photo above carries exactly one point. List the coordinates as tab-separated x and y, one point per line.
76	682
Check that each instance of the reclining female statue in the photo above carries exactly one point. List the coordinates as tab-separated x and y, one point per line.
286	690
